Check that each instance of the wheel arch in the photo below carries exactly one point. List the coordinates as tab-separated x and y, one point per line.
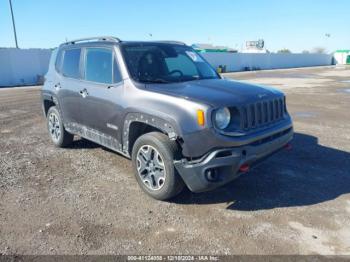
49	100
138	124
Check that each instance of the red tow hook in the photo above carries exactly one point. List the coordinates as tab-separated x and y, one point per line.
244	168
288	146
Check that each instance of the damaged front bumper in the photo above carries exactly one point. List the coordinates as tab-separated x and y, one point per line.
223	165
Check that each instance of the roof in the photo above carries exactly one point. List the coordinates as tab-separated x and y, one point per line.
212	48
155	42
343	51
113	40
204	46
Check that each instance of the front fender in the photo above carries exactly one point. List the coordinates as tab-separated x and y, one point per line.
166	125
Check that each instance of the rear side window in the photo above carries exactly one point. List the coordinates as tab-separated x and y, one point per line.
71	60
99	65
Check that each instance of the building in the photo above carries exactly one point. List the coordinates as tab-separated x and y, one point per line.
206	48
255	47
342	57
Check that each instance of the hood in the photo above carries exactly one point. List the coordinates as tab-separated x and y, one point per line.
217	92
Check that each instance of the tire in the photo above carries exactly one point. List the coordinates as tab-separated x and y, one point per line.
59	136
164	152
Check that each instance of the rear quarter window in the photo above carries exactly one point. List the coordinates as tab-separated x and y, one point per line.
71	61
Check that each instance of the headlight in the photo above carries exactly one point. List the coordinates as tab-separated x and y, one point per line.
222	117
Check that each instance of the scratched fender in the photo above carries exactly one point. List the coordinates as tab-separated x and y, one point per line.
159	123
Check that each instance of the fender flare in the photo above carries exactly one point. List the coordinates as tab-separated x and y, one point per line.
49	96
164	125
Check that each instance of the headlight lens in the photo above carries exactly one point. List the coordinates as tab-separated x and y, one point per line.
222	117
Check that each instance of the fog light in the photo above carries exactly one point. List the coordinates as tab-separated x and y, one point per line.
212	174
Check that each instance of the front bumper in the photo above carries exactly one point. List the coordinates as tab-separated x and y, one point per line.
222	166
197	144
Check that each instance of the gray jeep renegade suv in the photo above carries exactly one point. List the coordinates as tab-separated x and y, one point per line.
162	105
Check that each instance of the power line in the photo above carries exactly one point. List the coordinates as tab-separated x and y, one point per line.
13	23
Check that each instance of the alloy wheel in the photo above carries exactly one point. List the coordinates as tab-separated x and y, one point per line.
150	167
54	127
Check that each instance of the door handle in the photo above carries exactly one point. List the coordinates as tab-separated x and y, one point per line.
84	93
57	86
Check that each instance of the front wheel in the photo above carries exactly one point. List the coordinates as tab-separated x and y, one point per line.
59	136
153	155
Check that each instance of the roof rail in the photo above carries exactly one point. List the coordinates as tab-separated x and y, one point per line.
171	42
100	38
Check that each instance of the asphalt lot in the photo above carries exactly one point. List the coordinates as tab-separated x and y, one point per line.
85	200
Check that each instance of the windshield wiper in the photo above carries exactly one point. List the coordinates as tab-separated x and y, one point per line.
209	77
193	78
158	80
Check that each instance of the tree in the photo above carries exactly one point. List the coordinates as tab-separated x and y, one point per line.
305	52
284	50
319	50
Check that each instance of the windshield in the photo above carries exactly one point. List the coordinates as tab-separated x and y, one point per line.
165	63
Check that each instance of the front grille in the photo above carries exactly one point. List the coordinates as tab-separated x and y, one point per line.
262	113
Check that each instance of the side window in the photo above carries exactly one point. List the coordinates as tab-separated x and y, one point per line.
99	65
71	62
182	63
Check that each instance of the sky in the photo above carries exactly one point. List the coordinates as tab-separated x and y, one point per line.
293	24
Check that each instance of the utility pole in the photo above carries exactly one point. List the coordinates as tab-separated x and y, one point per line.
13	23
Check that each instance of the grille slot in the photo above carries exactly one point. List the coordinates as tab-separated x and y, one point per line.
262	113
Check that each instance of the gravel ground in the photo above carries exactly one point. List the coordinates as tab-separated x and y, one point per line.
85	200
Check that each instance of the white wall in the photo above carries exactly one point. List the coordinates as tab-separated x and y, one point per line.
22	66
238	61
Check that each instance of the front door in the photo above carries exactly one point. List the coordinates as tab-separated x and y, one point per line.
103	94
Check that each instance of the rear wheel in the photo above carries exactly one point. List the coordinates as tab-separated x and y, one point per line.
59	136
153	155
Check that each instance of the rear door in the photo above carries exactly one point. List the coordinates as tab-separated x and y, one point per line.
104	86
69	85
